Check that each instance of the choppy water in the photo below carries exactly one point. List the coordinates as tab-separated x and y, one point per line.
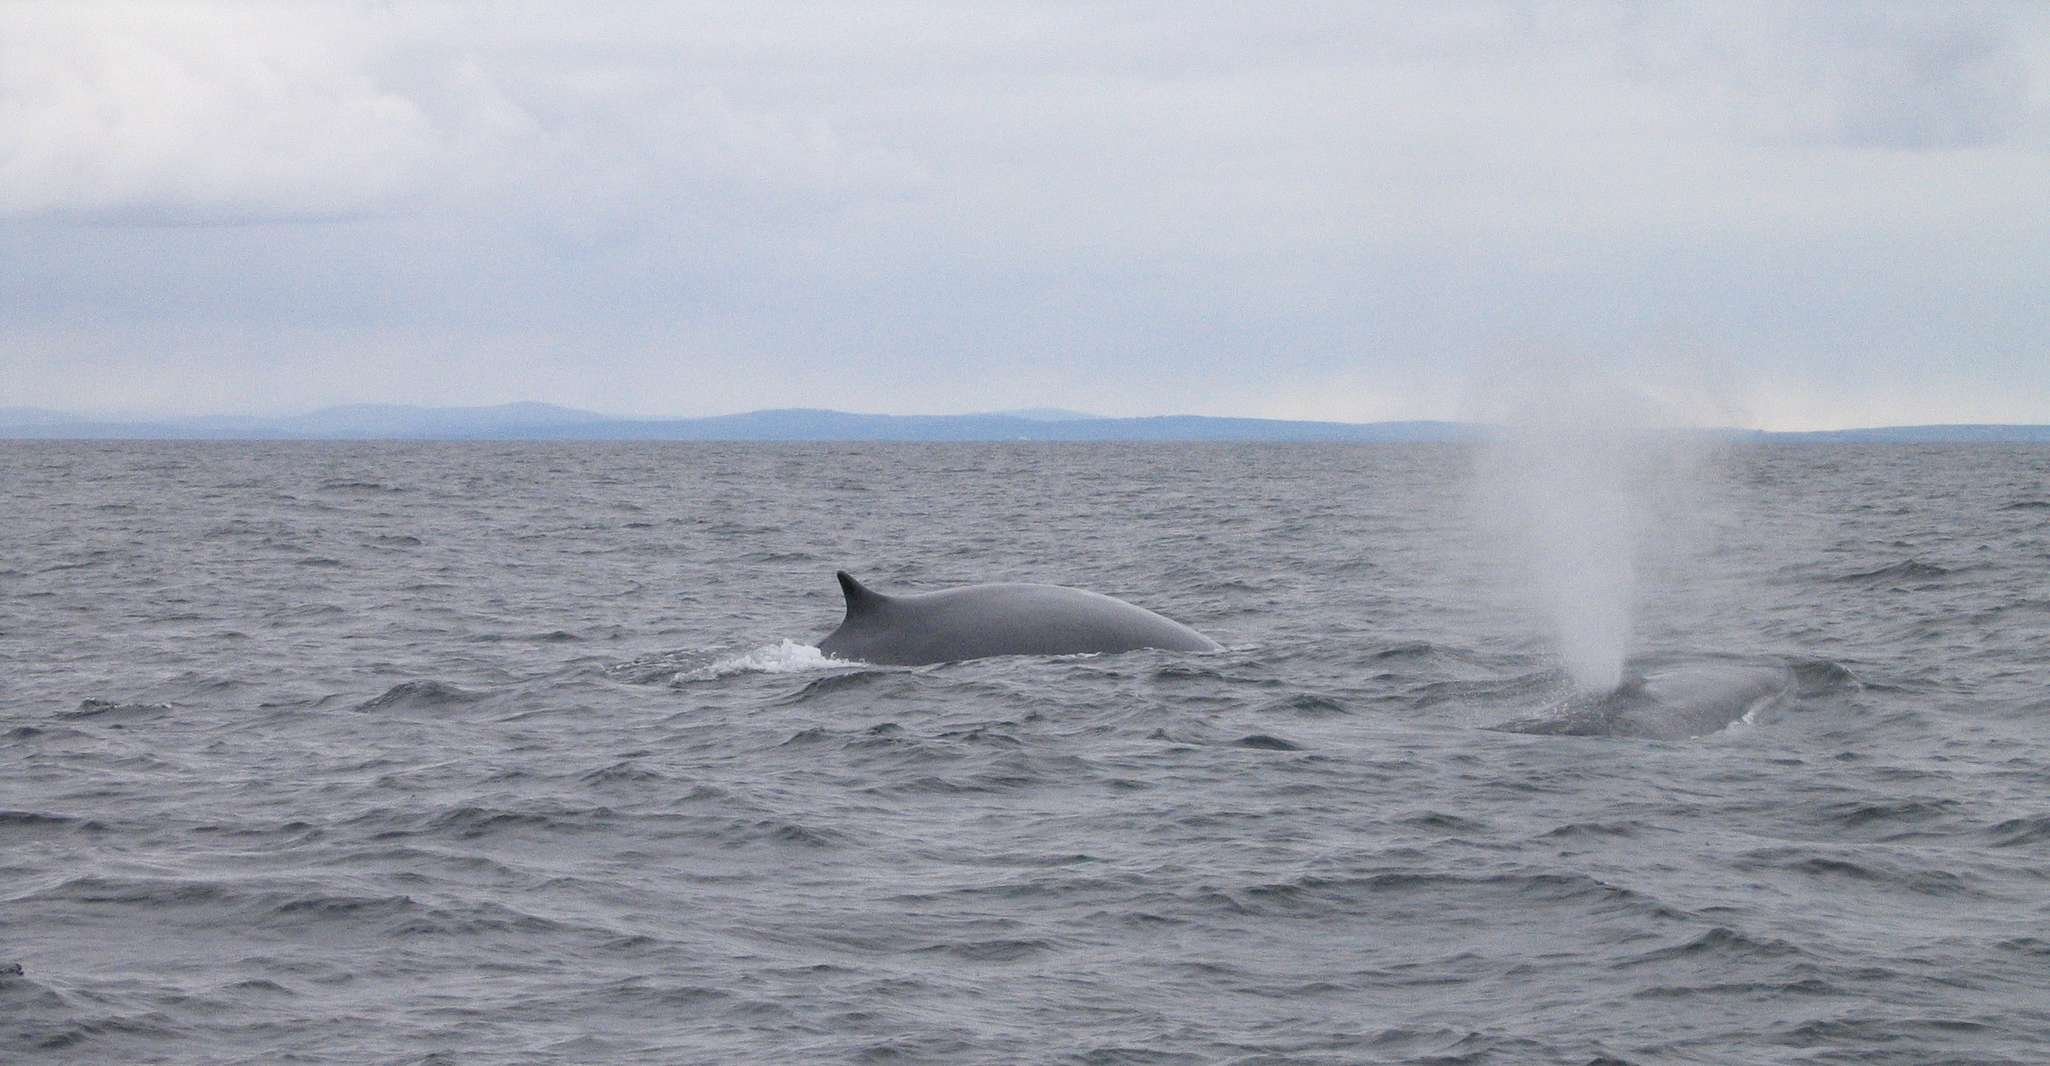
494	753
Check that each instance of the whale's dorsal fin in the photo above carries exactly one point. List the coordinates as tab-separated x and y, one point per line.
861	599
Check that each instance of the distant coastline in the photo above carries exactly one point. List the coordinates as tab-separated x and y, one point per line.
537	421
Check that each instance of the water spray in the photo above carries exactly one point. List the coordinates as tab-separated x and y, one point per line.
1578	487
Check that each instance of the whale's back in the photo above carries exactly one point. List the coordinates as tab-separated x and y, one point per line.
979	621
1669	703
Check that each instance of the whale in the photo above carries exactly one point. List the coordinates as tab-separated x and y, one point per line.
980	621
1678	701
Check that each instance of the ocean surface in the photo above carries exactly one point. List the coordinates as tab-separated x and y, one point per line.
519	753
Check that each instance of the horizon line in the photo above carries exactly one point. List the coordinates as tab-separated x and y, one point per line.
561	417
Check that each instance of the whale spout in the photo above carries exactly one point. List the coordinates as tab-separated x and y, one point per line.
979	621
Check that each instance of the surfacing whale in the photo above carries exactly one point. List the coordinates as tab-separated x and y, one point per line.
977	621
1675	702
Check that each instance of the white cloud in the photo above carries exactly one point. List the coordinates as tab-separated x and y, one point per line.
177	111
187	112
1931	77
1324	209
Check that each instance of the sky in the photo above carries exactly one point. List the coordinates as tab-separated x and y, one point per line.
1767	215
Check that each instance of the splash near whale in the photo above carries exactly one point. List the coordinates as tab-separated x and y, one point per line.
979	621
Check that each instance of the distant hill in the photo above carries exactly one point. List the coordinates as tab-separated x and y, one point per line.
367	421
540	421
802	424
1047	414
33	416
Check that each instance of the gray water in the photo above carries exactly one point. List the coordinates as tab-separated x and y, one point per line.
495	753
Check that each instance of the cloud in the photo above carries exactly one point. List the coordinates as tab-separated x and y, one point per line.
174	113
1323	209
167	113
1895	77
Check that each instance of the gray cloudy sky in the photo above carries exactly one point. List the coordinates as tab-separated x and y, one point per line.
1777	215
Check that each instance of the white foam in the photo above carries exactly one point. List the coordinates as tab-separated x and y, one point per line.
787	657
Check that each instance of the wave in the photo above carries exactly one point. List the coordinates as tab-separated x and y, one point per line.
1722	943
470	821
420	695
295	907
2016	832
1002	949
1593	830
112	710
781	832
1911	570
1874	871
1266	742
1890	820
37	823
1305	705
553	636
1346	891
1441	821
624	773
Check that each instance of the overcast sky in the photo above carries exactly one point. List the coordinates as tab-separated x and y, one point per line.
1783	216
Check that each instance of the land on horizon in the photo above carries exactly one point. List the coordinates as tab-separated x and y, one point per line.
541	421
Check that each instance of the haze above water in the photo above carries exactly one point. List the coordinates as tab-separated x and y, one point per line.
519	753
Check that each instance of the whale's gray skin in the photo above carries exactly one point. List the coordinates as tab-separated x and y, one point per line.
976	621
1667	703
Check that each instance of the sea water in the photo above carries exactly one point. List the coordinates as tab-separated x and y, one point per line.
519	753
